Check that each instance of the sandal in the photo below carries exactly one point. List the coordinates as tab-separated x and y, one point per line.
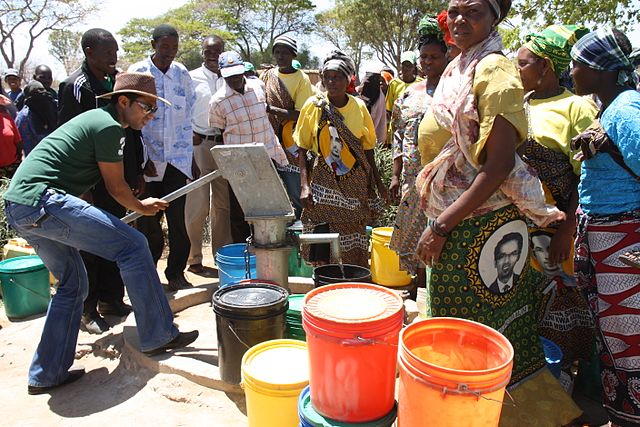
631	258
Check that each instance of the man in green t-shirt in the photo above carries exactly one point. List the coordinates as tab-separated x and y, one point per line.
43	205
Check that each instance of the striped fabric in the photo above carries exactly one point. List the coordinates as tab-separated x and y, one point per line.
287	41
600	51
337	60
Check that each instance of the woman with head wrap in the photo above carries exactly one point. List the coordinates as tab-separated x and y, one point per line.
338	191
609	214
555	117
370	92
407	114
397	86
39	116
477	193
287	89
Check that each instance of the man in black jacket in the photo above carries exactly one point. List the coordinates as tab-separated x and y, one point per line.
77	94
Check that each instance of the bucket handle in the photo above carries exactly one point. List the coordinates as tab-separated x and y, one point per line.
236	335
464	389
29	290
365	341
247	263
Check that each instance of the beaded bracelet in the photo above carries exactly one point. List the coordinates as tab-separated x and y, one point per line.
437	230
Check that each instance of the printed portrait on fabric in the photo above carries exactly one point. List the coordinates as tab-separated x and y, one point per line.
503	257
335	151
287	138
540	240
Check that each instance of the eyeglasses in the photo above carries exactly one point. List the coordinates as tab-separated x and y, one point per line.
148	109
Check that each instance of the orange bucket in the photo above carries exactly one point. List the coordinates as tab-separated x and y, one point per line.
453	372
352	335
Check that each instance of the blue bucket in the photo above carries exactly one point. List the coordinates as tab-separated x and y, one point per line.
235	263
553	355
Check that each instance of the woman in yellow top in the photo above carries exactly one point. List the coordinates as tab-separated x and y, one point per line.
556	116
477	192
287	89
338	191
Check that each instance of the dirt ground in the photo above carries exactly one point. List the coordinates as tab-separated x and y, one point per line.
115	390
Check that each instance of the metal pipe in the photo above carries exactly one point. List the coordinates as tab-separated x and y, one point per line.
332	238
178	193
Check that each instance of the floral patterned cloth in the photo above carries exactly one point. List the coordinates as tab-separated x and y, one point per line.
451	173
407	113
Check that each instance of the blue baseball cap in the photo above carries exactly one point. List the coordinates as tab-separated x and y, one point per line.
231	64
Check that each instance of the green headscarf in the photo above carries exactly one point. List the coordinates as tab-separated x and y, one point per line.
554	43
428	26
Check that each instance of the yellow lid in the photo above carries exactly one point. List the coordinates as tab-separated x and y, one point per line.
277	365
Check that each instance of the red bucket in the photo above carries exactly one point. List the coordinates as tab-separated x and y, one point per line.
352	335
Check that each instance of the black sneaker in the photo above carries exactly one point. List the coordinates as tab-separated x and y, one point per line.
182	340
94	323
74	374
119	308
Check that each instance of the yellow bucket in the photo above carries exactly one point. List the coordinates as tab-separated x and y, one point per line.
20	247
385	263
274	373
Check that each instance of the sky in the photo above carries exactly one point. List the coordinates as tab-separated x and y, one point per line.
114	14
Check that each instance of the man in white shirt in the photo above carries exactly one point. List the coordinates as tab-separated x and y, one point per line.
210	200
169	142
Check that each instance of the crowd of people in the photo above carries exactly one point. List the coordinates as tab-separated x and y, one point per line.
519	191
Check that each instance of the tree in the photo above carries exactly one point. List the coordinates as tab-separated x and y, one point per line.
194	21
30	19
249	26
537	14
256	23
388	27
64	45
331	26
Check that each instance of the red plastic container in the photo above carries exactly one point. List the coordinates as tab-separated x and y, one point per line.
352	335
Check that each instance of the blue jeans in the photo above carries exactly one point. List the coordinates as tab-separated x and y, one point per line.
58	228
291	181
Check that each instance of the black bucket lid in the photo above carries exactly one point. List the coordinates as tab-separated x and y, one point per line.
253	300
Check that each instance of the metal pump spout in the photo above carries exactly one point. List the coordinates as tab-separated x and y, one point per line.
332	238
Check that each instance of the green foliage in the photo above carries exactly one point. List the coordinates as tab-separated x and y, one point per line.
388	27
248	26
332	27
64	45
256	23
6	233
194	21
537	14
384	163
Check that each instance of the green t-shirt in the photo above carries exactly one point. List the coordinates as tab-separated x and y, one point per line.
67	159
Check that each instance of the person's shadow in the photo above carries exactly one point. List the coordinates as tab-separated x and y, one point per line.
99	389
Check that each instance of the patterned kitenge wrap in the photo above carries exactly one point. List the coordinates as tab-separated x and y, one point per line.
554	43
411	221
566	319
278	96
600	51
465	282
451	173
612	289
346	202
